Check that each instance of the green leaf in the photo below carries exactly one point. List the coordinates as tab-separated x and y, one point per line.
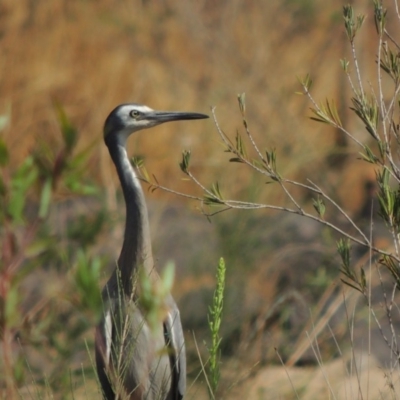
392	266
236	159
345	64
270	165
137	161
369	156
367	110
363	279
84	188
214	197
43	157
343	247
86	278
327	113
85	228
351	285
306	82
4	155
389	199
68	131
319	206
242	103
240	147
11	313
45	198
380	16
351	23
184	164
390	63
22	181
36	248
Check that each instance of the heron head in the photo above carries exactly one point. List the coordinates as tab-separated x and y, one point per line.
128	118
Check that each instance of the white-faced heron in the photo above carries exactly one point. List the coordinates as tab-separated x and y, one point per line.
133	361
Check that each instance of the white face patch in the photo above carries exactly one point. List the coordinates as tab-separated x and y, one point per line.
125	110
124	115
122	121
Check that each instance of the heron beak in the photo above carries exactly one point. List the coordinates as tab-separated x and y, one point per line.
165	116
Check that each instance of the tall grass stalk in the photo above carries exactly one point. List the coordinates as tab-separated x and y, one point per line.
214	322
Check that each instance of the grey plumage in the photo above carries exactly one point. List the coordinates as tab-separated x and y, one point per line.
134	362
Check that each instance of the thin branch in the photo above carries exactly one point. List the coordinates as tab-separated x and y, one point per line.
231	148
254	143
397	9
353	89
381	100
340	209
395	239
353	52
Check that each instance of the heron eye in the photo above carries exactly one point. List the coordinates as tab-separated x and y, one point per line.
135	114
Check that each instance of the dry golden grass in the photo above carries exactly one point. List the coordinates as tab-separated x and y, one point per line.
313	383
90	56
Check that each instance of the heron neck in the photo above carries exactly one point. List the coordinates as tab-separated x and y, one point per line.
136	248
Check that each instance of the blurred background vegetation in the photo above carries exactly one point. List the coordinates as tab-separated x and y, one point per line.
65	64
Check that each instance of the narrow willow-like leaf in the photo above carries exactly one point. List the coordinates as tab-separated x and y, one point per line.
137	162
352	24
331	110
306	82
389	200
348	16
214	197
327	113
271	165
383	149
390	63
21	183
343	247
351	285
380	16
344	64
367	111
240	147
319	206
236	159
363	280
184	164
392	266
369	156
242	103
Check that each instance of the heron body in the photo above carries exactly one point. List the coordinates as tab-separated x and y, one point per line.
133	361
